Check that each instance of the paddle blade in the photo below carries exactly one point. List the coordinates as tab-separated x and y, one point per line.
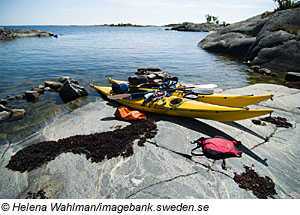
204	86
119	96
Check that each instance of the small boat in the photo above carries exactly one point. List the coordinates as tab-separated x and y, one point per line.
178	106
206	96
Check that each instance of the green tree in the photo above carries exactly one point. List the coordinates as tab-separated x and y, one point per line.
212	19
284	4
208	18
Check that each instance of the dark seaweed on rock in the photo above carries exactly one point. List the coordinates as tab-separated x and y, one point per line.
262	187
96	146
258	122
38	195
278	121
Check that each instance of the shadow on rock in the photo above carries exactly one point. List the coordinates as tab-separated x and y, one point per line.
243	128
210	131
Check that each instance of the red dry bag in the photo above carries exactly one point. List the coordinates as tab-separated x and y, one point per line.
217	148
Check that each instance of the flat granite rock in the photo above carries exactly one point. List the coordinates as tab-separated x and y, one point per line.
164	167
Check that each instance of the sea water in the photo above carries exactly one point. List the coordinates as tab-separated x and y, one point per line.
90	54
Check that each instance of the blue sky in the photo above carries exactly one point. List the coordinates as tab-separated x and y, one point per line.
145	12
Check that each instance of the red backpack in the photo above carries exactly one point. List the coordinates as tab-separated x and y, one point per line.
217	148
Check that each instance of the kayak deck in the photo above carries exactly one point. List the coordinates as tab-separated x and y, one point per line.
177	106
217	99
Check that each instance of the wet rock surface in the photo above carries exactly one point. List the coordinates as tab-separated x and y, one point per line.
164	166
53	85
4	115
71	91
18	114
295	84
31	95
292	77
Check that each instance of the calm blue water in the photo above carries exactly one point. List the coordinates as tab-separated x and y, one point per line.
91	54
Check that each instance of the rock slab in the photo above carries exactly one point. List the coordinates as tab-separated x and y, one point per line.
164	167
270	40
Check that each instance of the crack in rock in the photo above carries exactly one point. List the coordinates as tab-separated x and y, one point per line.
278	108
189	157
161	182
285	192
5	151
266	141
158	196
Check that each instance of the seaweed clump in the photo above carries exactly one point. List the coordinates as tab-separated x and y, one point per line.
41	194
278	121
96	146
262	187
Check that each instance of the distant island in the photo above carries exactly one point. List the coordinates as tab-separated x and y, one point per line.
196	27
125	25
10	34
212	24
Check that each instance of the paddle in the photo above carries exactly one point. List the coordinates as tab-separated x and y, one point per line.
120	96
204	86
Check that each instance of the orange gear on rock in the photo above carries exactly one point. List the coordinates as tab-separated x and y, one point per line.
128	115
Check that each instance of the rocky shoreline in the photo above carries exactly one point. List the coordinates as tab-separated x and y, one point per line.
195	27
10	34
67	88
270	40
164	166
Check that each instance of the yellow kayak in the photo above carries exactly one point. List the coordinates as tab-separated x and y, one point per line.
215	98
178	106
